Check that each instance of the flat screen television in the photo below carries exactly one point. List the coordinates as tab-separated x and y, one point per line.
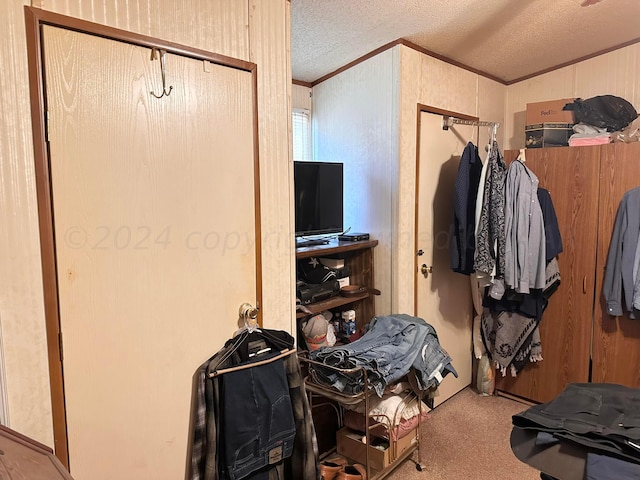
318	193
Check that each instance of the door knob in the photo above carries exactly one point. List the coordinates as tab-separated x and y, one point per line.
248	313
426	270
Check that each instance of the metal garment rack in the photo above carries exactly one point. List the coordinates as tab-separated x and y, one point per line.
363	398
448	121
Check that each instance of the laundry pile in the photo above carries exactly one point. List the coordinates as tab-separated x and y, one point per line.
392	347
590	427
601	120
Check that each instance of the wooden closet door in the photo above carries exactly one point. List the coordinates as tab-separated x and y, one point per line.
153	201
443	297
616	340
571	176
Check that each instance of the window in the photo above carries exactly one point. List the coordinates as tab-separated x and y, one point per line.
301	134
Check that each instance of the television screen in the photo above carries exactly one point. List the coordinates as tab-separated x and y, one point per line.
318	197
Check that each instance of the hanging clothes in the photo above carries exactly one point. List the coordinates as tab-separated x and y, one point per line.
463	241
552	237
510	328
618	286
232	407
525	258
534	303
490	233
636	282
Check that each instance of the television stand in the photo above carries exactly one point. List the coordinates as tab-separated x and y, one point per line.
311	243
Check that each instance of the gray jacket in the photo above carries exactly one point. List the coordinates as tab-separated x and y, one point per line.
618	275
525	259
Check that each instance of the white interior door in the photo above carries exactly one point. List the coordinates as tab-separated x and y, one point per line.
154	213
443	297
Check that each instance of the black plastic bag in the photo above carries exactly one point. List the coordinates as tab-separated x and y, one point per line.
604	111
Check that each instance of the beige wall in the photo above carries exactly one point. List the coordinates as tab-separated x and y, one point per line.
431	82
252	30
366	116
354	120
21	300
614	73
301	97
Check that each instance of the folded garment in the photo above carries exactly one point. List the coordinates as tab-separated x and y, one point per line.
356	421
588	141
586	129
604	467
600	416
391	408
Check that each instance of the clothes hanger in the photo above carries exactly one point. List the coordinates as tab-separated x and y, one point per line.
251	330
522	156
282	354
489	146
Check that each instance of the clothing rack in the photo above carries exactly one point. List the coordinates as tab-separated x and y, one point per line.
448	121
363	397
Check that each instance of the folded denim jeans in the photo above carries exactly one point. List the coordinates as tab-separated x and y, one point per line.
391	346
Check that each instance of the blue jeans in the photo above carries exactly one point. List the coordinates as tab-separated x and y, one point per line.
257	418
390	347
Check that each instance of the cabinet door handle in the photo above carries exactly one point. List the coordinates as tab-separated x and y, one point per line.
584	284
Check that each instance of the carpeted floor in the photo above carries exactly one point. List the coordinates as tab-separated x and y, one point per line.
467	438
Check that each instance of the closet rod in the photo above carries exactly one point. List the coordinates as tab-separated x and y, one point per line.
448	121
283	353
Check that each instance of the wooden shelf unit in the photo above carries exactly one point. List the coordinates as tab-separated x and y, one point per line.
358	256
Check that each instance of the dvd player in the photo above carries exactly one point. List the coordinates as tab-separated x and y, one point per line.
353	237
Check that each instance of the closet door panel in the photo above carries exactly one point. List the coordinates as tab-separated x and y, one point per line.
154	215
571	176
616	340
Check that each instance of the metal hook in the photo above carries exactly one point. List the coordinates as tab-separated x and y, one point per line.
162	72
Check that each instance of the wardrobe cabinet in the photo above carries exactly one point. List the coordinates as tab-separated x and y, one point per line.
580	341
616	340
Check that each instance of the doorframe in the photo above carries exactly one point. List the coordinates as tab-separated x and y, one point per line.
421	108
35	19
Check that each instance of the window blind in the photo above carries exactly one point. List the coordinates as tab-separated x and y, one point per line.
301	134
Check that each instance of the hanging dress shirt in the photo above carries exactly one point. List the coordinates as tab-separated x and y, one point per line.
618	275
525	257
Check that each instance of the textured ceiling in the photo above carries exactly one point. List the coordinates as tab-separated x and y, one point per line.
507	39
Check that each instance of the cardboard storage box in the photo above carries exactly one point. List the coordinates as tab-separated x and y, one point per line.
548	135
547	124
549	112
381	452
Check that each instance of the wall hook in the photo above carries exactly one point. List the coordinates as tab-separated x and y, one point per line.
154	53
